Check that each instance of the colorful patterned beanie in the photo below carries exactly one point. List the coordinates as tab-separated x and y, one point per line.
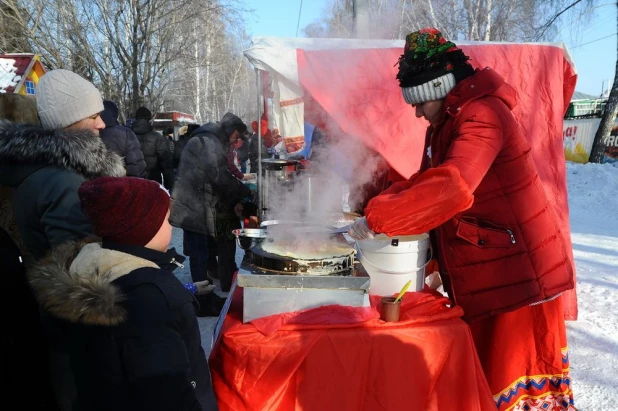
430	66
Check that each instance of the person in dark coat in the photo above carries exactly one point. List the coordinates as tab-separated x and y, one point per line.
43	168
253	146
46	165
158	157
208	199
122	141
21	355
45	202
168	133
134	340
180	144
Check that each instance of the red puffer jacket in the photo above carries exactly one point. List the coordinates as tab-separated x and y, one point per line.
493	228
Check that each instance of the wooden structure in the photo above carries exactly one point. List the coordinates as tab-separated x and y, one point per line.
20	73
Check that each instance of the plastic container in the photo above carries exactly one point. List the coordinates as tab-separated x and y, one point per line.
393	261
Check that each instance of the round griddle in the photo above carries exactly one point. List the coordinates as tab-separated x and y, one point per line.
287	265
277	164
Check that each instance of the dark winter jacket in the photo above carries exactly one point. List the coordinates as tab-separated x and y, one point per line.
179	145
134	340
22	349
205	187
169	140
45	168
122	141
157	155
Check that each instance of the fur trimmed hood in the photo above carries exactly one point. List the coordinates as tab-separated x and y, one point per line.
77	150
74	282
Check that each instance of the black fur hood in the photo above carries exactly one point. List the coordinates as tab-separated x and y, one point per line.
74	282
78	150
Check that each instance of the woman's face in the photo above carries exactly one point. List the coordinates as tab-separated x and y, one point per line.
431	110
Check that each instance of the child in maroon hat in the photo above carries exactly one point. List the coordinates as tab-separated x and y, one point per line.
133	336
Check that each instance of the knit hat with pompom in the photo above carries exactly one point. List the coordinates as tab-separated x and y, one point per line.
430	66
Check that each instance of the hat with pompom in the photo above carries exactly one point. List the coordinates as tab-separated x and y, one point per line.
430	66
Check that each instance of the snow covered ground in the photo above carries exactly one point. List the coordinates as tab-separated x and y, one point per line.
593	339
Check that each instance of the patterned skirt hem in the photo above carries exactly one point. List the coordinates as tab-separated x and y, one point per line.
539	392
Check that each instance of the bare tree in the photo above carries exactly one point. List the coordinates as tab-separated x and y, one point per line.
607	121
13	38
212	76
166	54
486	20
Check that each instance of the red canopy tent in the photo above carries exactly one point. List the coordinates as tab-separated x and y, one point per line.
352	84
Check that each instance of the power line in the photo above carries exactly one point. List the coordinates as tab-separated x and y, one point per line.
541	31
590	28
299	12
593	41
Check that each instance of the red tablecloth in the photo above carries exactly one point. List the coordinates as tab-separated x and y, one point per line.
318	360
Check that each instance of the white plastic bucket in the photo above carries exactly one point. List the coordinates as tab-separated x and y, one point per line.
393	261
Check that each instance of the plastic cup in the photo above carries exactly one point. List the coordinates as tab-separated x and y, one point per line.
390	309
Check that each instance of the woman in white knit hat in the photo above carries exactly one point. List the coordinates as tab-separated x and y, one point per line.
45	166
66	100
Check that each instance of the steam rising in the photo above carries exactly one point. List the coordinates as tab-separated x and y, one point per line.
315	198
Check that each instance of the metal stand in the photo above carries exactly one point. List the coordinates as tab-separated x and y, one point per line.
261	211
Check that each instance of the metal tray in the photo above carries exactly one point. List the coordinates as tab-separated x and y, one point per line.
353	282
287	265
277	163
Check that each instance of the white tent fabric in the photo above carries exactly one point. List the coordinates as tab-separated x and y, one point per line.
277	55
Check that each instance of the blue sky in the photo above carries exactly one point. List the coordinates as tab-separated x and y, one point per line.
595	58
278	18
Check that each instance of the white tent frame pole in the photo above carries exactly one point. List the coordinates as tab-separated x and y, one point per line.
258	81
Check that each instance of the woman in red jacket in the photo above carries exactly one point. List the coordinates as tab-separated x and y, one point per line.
501	254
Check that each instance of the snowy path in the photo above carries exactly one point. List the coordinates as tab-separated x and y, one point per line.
593	339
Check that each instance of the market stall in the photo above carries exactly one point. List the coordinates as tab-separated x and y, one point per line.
349	86
302	331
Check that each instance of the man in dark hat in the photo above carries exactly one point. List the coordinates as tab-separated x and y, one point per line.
158	157
208	199
501	254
